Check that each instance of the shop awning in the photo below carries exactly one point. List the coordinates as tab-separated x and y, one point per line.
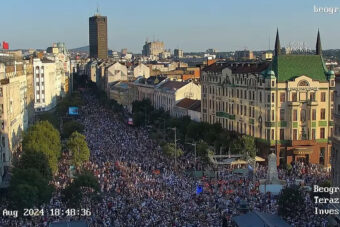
259	159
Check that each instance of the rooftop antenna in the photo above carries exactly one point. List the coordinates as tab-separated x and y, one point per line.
97	13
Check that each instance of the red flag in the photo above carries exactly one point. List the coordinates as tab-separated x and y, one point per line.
5	45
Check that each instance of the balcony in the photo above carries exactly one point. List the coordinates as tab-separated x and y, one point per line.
291	103
312	103
270	124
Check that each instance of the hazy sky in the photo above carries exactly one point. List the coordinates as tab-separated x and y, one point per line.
192	25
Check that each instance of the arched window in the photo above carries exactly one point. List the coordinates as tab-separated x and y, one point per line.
303	83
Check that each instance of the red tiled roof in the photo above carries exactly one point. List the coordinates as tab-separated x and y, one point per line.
190	104
173	85
238	67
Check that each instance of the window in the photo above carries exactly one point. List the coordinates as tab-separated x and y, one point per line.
268	115
282	97
1	92
322	133
322	156
253	95
237	109
294	115
273	83
294	134
282	114
241	109
332	96
314	115
273	118
313	134
323	114
237	93
273	97
312	96
249	111
338	109
268	134
260	96
323	96
332	114
253	112
294	97
268	98
273	134
245	110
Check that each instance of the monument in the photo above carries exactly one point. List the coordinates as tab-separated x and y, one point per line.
272	175
272	183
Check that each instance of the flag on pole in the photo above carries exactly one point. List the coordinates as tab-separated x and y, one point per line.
5	45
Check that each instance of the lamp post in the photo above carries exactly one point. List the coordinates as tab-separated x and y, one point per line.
175	148
195	145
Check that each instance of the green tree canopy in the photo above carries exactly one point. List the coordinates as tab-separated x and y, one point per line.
203	151
35	160
248	146
43	137
73	99
291	201
28	188
169	150
85	185
78	148
71	126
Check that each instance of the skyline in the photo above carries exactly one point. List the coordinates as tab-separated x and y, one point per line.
224	26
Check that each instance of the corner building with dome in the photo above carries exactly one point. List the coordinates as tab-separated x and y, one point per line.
286	103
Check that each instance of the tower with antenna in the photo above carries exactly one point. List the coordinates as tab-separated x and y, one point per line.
98	36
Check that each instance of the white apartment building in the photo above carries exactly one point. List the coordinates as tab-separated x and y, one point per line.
168	93
141	70
47	84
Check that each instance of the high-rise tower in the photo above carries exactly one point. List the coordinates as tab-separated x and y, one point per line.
98	36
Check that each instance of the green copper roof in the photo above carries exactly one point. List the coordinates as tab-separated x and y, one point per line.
287	67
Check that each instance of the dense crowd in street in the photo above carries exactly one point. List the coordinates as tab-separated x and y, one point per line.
141	187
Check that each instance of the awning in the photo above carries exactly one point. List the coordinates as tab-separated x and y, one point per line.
239	162
259	159
303	150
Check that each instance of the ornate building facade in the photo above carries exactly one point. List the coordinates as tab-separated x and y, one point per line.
287	103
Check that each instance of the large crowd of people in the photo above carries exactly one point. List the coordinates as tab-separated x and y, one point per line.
142	187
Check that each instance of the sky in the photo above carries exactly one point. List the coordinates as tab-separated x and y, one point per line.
191	25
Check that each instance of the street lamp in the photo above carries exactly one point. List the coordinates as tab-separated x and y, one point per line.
175	129
195	145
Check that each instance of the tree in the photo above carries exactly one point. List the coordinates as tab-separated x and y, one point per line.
203	151
291	201
85	185
71	126
169	150
77	145
248	146
28	188
35	160
43	137
193	131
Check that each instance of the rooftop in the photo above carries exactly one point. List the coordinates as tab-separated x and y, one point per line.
287	67
173	85
189	104
237	67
